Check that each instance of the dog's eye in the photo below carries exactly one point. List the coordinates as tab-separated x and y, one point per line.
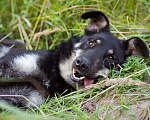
91	43
111	57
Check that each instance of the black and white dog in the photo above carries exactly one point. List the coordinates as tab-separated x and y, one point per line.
81	60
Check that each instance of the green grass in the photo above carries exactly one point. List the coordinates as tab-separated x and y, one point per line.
23	19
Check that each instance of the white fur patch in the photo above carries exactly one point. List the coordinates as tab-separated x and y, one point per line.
77	45
103	72
26	63
96	26
131	44
110	51
103	24
3	51
78	52
36	98
66	67
98	41
47	84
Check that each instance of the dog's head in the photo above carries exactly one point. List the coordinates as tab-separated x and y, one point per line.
97	51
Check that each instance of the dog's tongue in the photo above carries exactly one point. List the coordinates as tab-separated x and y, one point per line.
87	82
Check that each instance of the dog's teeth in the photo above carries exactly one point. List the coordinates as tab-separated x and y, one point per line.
81	78
74	71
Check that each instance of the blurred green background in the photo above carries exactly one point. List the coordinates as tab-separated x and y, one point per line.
23	19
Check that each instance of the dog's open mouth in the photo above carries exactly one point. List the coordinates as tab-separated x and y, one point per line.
77	77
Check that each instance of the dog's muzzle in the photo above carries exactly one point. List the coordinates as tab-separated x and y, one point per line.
78	77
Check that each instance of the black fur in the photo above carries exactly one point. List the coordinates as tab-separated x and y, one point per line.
80	59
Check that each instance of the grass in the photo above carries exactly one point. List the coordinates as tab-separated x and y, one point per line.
27	19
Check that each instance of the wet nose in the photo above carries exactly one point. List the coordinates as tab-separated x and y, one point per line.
82	63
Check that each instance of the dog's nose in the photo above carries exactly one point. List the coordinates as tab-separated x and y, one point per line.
82	63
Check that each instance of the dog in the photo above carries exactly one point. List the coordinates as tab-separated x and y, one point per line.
82	59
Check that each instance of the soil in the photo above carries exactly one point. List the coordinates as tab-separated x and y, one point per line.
125	106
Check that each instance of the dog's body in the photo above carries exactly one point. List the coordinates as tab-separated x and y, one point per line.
81	60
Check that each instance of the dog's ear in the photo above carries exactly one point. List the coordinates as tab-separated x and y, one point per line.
98	22
136	47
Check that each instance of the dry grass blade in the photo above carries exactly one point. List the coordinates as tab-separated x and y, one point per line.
145	115
108	82
24	34
27	21
42	9
118	31
6	36
141	71
45	32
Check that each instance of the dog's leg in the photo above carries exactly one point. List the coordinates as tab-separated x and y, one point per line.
21	94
